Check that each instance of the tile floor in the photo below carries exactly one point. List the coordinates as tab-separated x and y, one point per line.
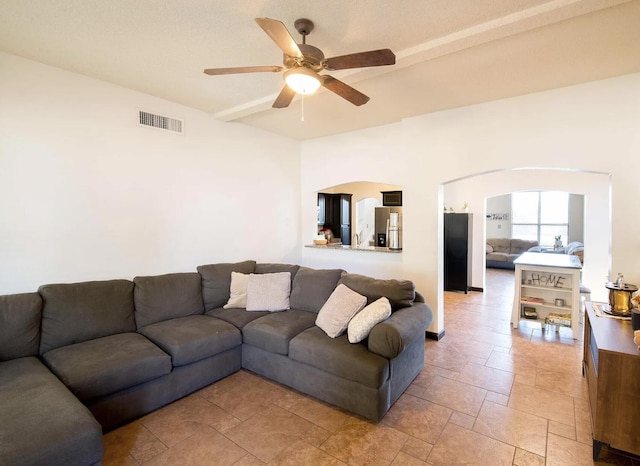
488	395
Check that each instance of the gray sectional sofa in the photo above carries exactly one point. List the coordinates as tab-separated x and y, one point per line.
82	358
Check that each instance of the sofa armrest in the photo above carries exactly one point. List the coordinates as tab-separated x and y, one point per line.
391	337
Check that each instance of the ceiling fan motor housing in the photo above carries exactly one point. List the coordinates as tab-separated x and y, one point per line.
312	57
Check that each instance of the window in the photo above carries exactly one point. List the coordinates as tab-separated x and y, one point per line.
540	216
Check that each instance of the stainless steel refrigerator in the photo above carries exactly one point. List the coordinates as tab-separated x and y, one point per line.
388	227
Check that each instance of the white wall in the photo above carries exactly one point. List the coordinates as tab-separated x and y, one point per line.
86	193
592	127
496	205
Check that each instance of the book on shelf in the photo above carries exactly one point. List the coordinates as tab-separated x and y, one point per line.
532	299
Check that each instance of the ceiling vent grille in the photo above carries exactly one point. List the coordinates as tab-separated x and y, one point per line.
161	122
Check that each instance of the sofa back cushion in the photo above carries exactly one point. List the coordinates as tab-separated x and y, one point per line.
500	244
518	246
76	312
216	281
311	288
275	268
20	316
163	297
401	293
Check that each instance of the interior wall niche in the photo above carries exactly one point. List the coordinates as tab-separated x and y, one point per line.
365	197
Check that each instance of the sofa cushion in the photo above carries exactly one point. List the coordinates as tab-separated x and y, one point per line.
498	256
216	281
41	422
401	293
500	244
20	316
338	356
311	288
190	339
237	317
518	246
164	297
269	291
362	323
77	312
273	332
342	305
106	365
238	291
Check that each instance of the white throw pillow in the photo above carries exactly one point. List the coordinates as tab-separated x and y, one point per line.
342	305
269	291
362	323
489	248
238	291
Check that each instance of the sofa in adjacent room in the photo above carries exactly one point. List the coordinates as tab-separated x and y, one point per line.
82	358
501	252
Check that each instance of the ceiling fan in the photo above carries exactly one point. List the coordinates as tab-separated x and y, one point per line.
303	62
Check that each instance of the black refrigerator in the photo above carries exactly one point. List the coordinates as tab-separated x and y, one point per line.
457	252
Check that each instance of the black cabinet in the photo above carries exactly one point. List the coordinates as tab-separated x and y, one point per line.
334	212
457	252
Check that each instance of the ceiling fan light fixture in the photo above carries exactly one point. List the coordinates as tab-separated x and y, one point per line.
302	80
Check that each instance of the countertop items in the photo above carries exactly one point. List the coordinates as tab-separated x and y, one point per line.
344	247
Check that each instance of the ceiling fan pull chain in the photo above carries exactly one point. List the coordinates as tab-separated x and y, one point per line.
302	108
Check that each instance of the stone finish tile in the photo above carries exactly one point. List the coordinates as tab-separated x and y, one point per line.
543	403
569	384
321	414
315	436
514	427
204	448
417	417
417	448
186	417
497	398
249	460
487	377
269	433
562	430
462	420
362	443
564	452
133	440
302	453
455	395
247	399
406	460
458	445
526	458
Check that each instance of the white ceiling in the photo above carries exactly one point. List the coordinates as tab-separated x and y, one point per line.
450	53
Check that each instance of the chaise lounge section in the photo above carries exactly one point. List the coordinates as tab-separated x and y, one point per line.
80	358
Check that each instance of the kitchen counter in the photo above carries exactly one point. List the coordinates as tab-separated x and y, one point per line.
342	247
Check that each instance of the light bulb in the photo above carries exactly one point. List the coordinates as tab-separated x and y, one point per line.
302	80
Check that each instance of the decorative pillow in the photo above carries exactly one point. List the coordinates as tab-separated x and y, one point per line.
238	291
269	291
489	249
342	305
362	323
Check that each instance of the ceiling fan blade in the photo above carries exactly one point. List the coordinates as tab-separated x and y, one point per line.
284	98
280	35
362	59
244	69
344	90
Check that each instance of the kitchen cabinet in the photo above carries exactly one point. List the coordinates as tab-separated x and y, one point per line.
457	252
547	290
611	365
336	215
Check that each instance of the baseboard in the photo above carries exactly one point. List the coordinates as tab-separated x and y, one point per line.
477	288
434	335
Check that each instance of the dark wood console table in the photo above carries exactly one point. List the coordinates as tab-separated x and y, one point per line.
611	364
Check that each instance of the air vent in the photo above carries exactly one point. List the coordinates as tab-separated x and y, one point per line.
160	122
